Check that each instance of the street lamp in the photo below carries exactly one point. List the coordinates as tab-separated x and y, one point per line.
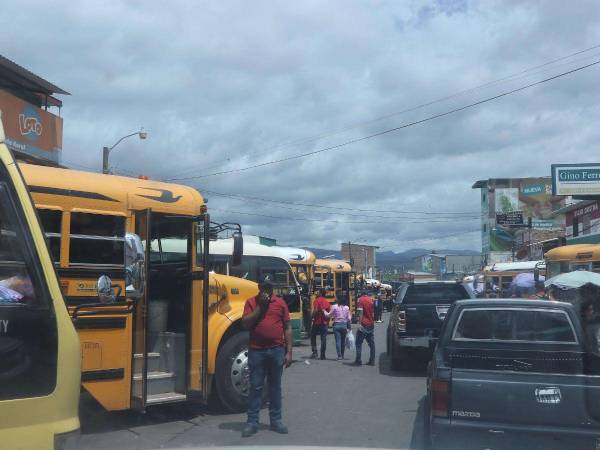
106	150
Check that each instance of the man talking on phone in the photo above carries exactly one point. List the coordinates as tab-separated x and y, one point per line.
267	318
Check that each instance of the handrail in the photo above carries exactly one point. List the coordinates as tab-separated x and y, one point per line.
101	308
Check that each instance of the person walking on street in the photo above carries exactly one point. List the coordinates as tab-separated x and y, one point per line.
366	329
267	318
320	324
378	306
342	320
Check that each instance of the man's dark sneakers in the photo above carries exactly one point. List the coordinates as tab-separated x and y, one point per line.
314	355
279	427
356	363
371	363
249	430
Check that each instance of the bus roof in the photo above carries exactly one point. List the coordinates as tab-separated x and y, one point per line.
95	191
225	247
335	265
296	255
521	266
590	252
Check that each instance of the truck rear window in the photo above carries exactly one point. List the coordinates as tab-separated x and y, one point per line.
521	325
432	293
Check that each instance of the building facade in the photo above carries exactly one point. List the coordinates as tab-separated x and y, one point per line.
362	258
582	222
508	205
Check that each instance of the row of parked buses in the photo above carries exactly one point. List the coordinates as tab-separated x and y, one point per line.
110	293
497	278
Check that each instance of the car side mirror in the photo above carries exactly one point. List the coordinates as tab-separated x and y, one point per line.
238	249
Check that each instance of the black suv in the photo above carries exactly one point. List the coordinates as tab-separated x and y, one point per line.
417	316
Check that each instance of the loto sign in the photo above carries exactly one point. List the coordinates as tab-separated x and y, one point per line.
30	130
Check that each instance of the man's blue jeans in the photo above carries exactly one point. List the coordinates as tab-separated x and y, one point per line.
266	362
367	334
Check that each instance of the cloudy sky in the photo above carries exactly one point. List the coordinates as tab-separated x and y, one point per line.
224	85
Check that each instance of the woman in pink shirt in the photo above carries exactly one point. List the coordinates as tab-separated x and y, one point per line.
342	320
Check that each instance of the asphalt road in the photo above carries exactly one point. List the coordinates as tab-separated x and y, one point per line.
325	403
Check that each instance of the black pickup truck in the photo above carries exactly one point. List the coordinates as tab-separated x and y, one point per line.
513	369
417	315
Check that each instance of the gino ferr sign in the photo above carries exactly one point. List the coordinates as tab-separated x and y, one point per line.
576	179
30	130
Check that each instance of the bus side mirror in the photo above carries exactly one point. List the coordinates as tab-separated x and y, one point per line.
238	248
135	266
104	288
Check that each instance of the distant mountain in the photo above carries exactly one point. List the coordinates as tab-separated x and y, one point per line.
388	258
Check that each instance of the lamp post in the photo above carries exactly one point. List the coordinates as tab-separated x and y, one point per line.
106	150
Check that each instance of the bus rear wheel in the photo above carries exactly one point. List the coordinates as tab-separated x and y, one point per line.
232	377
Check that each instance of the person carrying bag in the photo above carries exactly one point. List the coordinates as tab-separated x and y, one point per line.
342	319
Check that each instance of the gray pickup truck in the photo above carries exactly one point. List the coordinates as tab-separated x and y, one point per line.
513	369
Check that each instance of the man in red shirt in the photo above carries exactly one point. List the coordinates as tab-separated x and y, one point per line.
320	324
366	329
267	318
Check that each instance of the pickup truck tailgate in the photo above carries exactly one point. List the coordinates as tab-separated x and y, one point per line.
511	389
424	317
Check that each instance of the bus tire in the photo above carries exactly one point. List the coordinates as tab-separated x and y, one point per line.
232	357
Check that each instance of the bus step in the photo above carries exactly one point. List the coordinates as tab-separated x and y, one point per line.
158	382
153	362
167	397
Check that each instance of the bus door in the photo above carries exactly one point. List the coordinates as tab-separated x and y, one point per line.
198	355
163	336
140	352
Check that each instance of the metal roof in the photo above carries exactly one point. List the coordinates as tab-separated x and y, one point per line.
17	79
573	206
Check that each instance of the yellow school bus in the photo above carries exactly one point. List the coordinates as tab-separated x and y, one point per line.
498	277
333	275
164	338
259	260
303	265
39	349
572	257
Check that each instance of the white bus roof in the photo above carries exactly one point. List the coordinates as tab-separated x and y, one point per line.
516	266
225	247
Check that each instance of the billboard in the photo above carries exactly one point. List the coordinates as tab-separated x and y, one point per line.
30	130
576	179
513	203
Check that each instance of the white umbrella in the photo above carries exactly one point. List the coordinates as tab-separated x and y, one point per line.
574	280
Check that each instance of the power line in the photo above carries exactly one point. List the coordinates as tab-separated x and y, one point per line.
390	130
513	77
453	216
314	205
304	219
402	241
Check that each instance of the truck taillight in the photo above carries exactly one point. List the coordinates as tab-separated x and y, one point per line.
440	398
401	325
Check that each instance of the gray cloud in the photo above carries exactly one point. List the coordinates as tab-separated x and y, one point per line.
236	80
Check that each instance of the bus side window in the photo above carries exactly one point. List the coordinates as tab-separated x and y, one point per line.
97	239
51	221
